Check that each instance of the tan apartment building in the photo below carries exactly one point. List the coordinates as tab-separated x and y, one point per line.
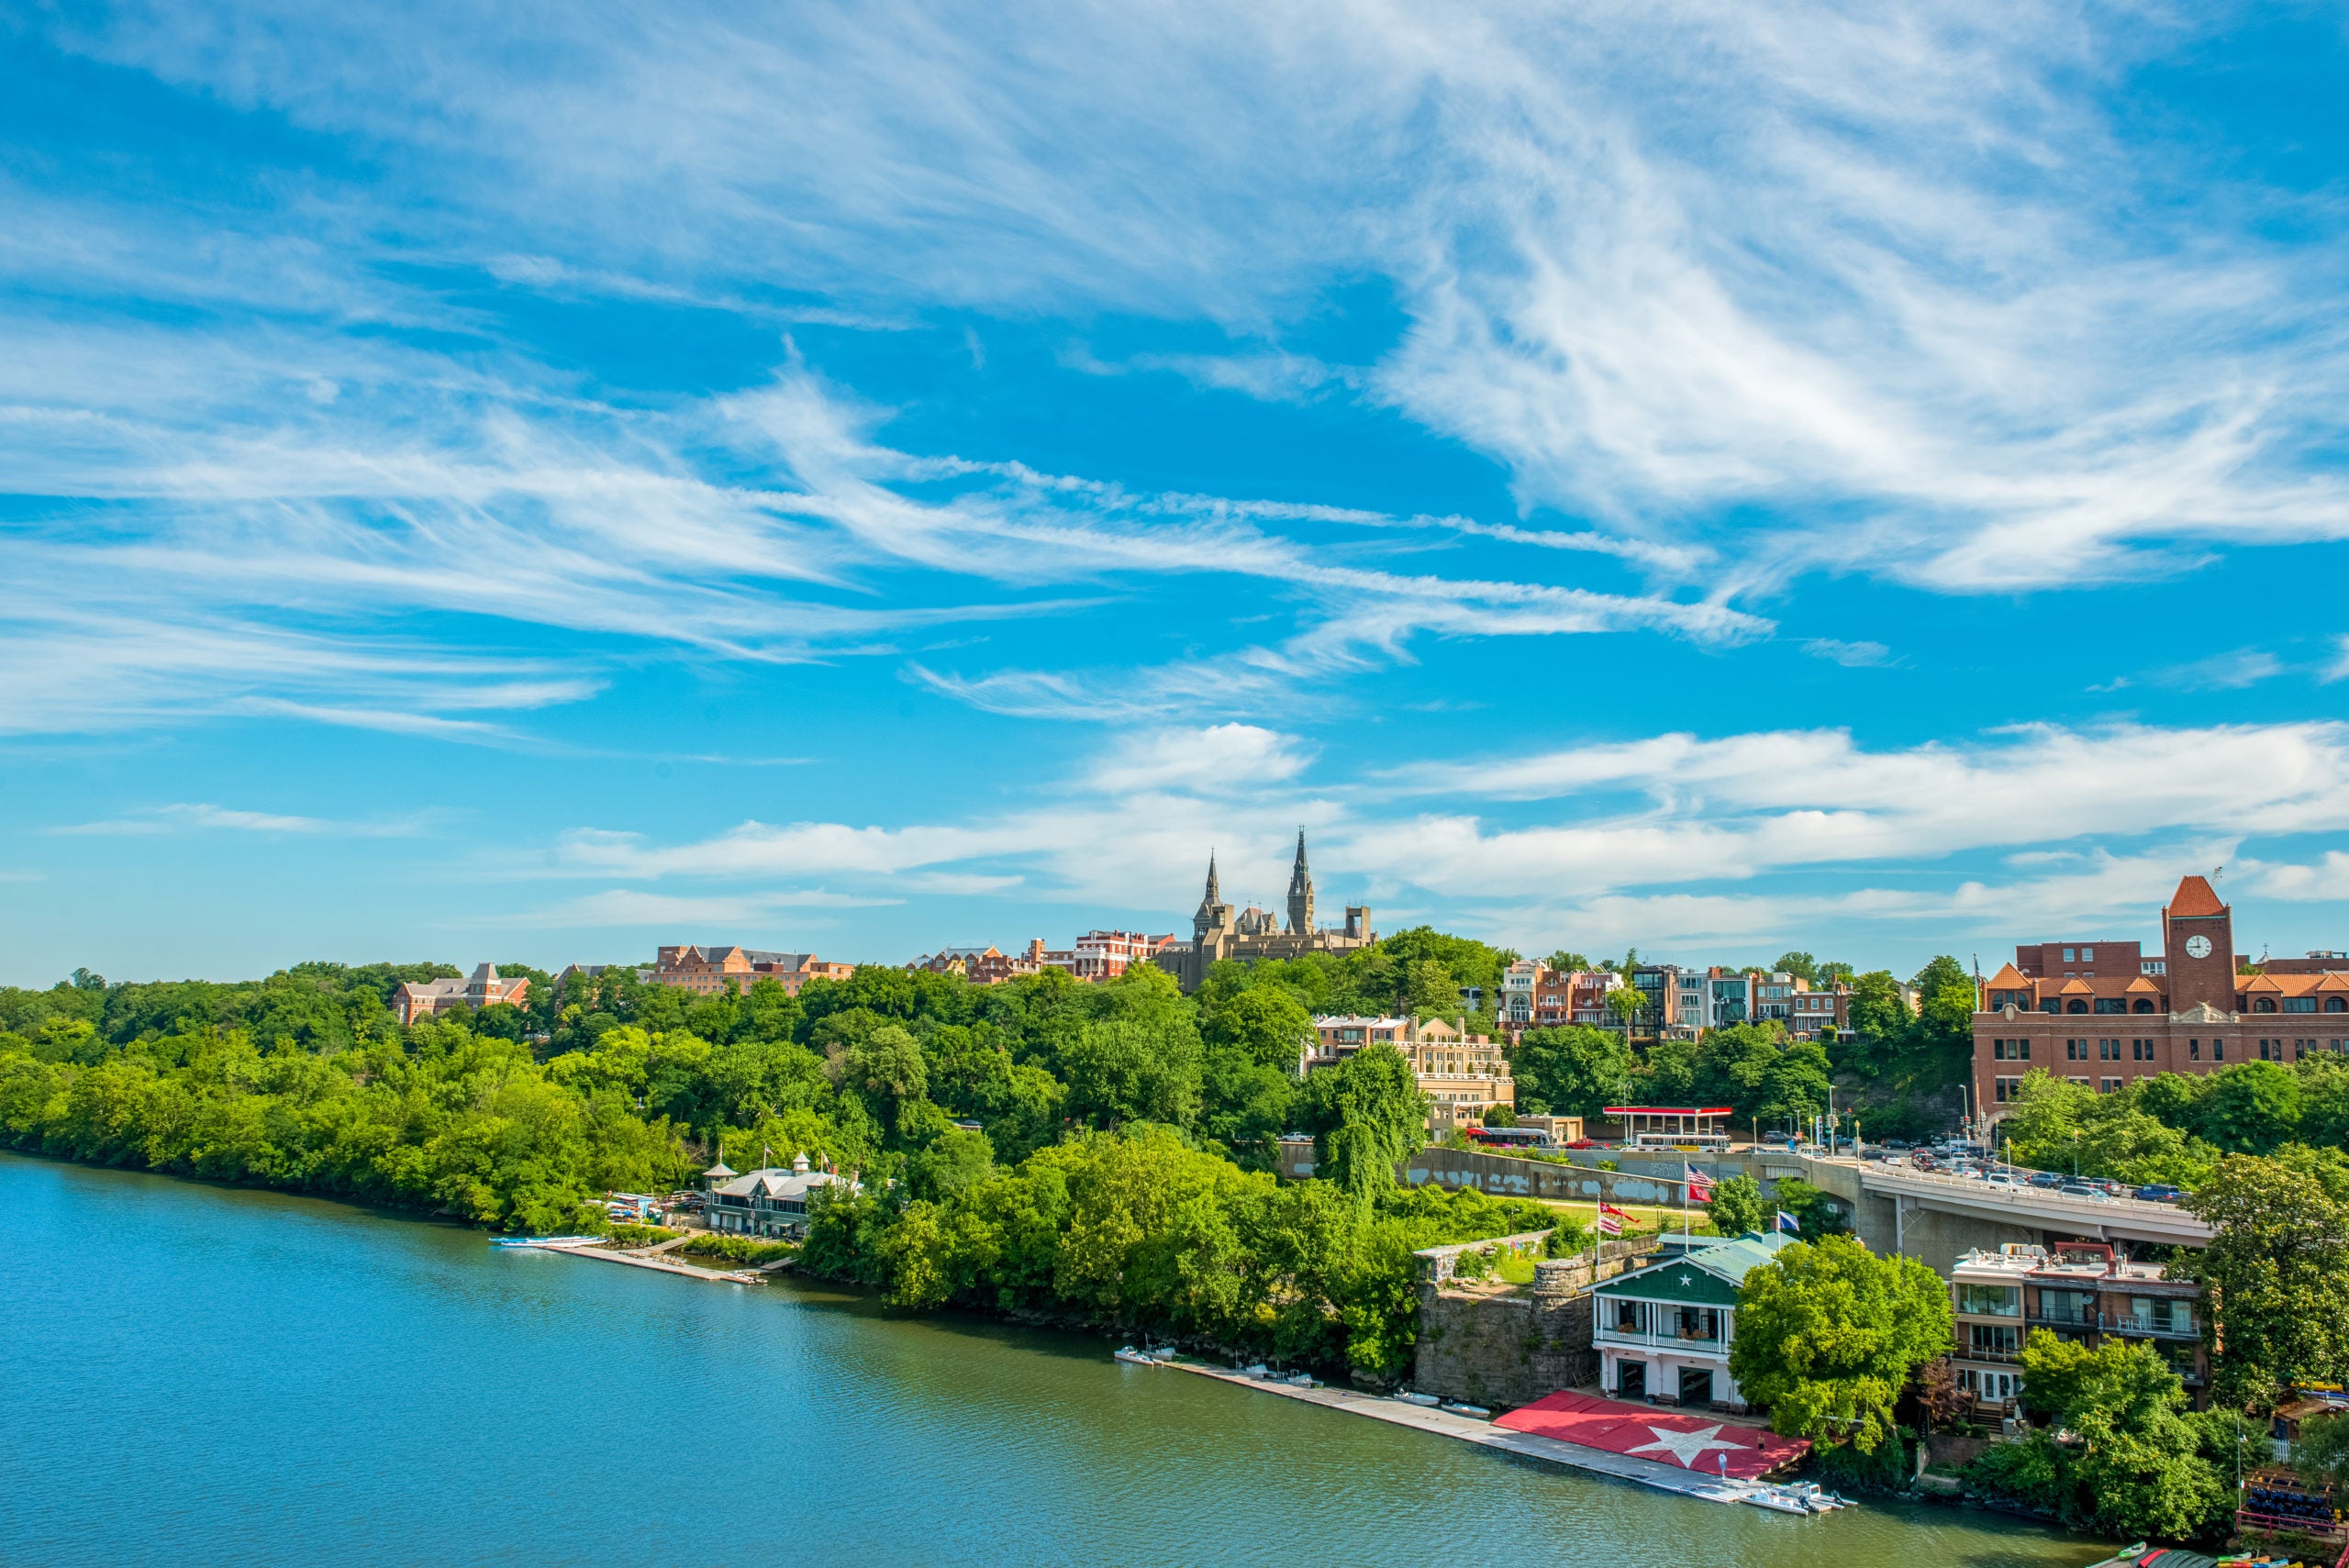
1463	1076
2081	1291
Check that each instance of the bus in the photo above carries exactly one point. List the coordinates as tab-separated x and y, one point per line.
1509	1137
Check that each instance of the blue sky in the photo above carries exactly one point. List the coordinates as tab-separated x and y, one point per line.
541	483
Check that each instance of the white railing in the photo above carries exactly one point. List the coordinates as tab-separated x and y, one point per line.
1658	1341
1898	1177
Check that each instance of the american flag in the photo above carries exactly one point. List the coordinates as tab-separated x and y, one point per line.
1611	1219
1701	1185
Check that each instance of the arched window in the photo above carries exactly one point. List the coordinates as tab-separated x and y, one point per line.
2145	1005
2075	1007
2264	1004
2336	1005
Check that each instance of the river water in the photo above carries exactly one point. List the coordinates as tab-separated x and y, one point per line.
195	1375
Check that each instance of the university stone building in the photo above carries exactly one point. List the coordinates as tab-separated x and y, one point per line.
1218	932
2102	1013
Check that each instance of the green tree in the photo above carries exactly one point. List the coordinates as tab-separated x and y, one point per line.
2250	1108
1564	962
1879	1016
885	1067
1738	1207
1574	1071
1801	965
2277	1270
1626	1003
1827	1335
1266	1024
1366	1115
2135	1465
2321	1452
1133	1070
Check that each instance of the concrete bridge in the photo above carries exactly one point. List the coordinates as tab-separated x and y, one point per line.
1935	1218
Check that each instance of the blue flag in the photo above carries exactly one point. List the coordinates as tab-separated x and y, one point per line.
1788	1222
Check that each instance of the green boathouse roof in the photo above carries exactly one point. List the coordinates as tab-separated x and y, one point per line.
1708	1277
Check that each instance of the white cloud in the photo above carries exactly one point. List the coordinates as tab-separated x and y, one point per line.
1851	655
1221	759
182	817
627	907
2328	878
2075	811
1664	261
2230	672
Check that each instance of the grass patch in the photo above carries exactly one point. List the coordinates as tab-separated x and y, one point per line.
738	1249
642	1235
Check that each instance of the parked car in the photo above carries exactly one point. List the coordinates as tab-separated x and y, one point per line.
2000	1179
2045	1179
2156	1192
2080	1189
1585	1143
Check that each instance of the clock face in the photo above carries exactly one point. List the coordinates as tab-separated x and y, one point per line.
2197	947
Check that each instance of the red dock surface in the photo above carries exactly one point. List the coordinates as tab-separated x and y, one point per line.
1703	1443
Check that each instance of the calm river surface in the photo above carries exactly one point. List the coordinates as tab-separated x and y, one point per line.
193	1376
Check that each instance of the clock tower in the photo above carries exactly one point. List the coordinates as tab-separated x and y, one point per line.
2199	948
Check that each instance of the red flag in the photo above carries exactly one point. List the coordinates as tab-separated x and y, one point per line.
1609	1225
1701	1185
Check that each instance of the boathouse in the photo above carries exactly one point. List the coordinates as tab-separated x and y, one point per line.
1662	1333
768	1202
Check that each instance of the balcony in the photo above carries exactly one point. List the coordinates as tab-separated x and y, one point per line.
2069	1317
2151	1328
1994	1358
1671	1341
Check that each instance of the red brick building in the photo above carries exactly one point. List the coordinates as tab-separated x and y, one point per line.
710	970
2102	1013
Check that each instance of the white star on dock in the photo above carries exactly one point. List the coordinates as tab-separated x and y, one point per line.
1686	1447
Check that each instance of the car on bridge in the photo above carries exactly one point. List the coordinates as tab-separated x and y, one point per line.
2159	1192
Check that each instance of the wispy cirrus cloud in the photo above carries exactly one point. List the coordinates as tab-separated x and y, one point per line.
184	816
1901	265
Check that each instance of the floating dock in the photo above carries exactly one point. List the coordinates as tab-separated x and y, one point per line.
660	1265
1396	1412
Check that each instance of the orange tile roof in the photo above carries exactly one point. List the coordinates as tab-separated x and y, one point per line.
2194	897
2075	984
2010	978
2143	982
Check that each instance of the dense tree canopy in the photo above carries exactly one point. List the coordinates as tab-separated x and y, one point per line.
1107	1176
1573	1070
2278	1265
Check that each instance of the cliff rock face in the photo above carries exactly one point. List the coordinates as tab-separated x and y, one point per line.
1505	1348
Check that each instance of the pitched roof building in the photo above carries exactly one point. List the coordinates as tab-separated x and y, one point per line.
427	998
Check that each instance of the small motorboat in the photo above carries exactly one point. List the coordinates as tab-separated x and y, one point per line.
547	1242
1132	1356
1302	1380
1161	1352
1254	1370
1775	1499
1478	1411
1428	1400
